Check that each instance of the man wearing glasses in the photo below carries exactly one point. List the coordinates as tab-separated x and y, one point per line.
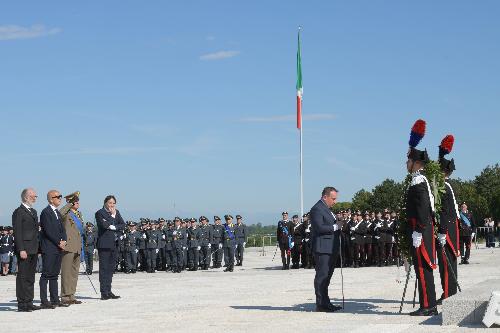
53	242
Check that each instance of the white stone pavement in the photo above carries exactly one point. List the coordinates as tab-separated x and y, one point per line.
258	297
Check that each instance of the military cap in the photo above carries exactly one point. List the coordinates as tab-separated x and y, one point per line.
185	220
202	218
161	219
238	217
228	217
216	218
285	212
177	218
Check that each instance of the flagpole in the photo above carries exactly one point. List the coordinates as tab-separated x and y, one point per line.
300	135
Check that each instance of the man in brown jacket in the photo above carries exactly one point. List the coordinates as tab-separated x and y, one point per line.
73	224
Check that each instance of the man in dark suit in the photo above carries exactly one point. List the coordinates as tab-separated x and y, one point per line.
325	245
109	222
53	242
25	224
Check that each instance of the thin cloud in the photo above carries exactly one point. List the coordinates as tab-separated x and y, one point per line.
289	118
12	32
98	151
219	55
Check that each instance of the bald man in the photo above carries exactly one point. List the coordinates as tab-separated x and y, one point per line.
53	242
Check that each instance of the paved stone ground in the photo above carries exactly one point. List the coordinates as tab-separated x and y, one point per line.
258	297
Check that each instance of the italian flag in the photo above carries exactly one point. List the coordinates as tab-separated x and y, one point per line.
299	85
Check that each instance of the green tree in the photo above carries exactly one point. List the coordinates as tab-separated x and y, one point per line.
386	195
465	191
487	186
362	200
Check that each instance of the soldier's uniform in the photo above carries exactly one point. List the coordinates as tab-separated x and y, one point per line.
141	246
179	236
467	231
131	249
185	252
89	245
169	246
240	232
297	241
151	248
358	232
229	243
386	233
194	236
284	239
161	257
120	247
448	237
419	211
206	240
217	233
307	255
370	227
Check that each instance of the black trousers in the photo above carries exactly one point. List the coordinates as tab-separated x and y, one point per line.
229	254
194	257
217	257
240	249
142	259
107	261
465	244
296	250
131	260
25	280
178	256
151	259
89	260
425	277
205	256
325	265
51	268
447	281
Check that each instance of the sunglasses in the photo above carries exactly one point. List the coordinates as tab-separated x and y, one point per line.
57	197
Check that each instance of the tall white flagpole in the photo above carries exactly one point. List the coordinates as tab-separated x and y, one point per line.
300	135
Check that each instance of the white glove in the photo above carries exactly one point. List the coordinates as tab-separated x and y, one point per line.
136	250
209	245
144	236
244	243
307	239
183	247
121	237
393	239
11	254
198	248
220	245
157	250
111	227
352	228
417	239
174	233
472	235
442	239
163	236
378	225
95	250
292	244
377	237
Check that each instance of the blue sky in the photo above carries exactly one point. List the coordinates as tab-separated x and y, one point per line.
188	108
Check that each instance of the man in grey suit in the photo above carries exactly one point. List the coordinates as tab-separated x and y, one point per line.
325	231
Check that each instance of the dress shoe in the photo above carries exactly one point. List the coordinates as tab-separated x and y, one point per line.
67	302
105	297
23	309
466	262
425	312
60	305
113	296
75	301
47	306
334	307
33	307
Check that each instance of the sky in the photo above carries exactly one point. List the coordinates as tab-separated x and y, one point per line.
188	107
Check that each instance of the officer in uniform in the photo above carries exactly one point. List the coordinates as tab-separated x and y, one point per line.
185	226
307	256
194	236
370	226
179	236
161	257
169	249
121	257
358	232
297	241
229	243
6	249
151	247
448	236
141	246
205	242
131	249
240	232
89	246
419	211
467	232
377	241
217	233
385	242
284	239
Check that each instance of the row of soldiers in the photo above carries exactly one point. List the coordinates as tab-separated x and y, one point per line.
8	260
368	239
174	246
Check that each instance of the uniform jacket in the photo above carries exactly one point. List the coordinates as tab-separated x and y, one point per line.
73	237
240	232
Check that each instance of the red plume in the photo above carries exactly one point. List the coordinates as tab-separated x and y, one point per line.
447	143
419	127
